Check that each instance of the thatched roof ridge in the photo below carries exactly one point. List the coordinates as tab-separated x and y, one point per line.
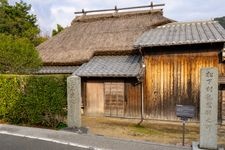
99	34
95	17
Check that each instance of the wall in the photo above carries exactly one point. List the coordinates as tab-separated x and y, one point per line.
173	77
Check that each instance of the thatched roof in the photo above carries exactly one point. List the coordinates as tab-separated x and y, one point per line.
113	33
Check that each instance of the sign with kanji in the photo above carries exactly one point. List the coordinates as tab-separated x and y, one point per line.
208	108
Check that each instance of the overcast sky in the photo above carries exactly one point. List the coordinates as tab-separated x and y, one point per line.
52	12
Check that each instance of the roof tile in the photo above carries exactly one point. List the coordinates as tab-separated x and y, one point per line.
180	33
57	69
111	66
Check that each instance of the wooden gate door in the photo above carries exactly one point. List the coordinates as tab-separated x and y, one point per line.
95	98
114	99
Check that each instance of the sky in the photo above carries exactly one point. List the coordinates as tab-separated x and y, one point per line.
52	12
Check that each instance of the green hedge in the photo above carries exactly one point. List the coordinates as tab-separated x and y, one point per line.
33	100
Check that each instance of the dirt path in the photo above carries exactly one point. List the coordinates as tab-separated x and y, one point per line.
154	131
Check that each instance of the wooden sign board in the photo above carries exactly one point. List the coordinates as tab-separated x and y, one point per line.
185	111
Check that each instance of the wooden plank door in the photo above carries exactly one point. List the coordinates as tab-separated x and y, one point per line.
114	99
95	98
133	100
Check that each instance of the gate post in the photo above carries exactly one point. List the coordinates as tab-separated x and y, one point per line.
74	101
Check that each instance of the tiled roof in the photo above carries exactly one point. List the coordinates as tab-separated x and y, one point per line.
57	69
183	33
111	66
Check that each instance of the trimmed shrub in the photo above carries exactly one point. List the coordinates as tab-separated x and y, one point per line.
33	100
18	55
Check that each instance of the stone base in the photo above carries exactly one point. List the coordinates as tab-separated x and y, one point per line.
195	146
81	130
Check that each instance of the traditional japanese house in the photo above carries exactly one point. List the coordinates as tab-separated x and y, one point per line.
101	45
137	63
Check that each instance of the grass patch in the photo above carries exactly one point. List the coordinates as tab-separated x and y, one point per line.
61	125
139	129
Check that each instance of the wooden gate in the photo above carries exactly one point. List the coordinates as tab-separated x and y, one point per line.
114	99
95	98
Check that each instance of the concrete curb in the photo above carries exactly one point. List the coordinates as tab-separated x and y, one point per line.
85	140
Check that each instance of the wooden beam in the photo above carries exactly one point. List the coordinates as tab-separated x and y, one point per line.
118	9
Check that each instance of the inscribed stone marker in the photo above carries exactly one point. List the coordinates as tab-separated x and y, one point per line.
208	108
74	101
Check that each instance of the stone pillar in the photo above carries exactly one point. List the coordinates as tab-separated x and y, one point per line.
74	101
209	108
